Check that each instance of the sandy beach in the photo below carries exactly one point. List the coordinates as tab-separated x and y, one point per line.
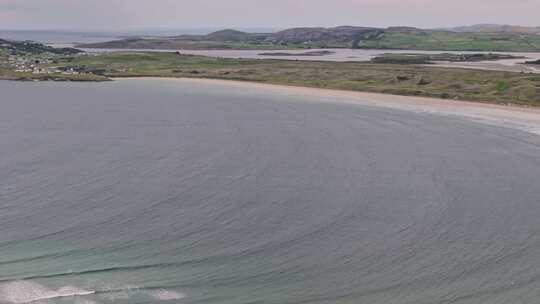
516	117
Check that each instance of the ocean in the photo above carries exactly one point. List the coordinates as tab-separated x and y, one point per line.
71	37
163	191
59	37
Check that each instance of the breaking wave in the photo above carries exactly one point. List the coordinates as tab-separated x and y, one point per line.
20	292
27	292
166	295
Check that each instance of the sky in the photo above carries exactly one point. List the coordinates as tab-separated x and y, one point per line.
145	14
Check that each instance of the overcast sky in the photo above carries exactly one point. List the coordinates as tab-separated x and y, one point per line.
138	14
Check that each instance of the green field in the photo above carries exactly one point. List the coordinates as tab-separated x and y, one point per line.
474	85
451	41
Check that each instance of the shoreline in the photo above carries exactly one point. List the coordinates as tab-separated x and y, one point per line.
521	117
514	116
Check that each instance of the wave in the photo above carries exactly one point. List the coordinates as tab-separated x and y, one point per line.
91	271
161	294
21	292
27	292
166	295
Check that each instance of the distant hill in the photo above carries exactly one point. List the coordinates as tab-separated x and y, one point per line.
497	28
29	47
480	38
334	35
233	35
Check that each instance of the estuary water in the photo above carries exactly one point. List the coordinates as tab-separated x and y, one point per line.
360	55
163	191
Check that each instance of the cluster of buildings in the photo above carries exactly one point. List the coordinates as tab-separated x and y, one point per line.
36	64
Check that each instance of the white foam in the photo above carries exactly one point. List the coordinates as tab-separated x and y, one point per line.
535	131
113	292
84	301
167	295
27	291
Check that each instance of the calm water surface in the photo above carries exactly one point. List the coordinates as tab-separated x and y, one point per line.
157	191
359	55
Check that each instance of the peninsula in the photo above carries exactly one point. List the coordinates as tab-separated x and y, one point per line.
18	61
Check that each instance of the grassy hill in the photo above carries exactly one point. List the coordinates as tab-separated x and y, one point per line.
416	39
341	37
497	28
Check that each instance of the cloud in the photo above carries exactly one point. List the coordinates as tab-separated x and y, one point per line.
125	14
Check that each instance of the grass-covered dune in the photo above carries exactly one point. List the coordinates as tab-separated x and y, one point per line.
6	74
474	85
